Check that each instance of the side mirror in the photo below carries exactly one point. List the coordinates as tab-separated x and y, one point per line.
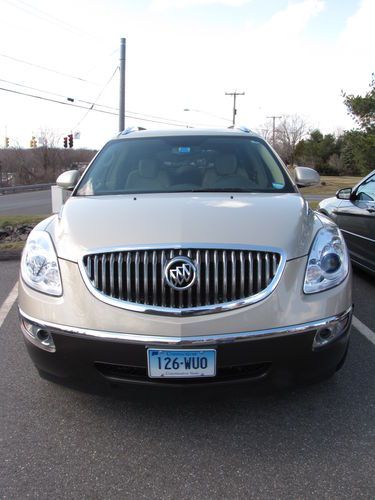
68	180
305	176
344	194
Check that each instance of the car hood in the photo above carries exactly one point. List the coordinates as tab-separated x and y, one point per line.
281	221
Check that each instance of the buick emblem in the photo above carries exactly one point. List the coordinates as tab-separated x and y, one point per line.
180	273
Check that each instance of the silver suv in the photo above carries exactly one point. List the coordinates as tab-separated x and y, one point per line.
186	257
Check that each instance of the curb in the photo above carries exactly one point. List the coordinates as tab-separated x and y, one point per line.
10	254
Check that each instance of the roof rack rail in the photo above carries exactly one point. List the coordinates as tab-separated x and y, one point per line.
129	130
241	128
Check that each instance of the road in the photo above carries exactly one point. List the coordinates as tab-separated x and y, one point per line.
28	203
313	442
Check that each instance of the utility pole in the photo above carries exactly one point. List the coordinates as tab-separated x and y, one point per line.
122	85
234	94
274	127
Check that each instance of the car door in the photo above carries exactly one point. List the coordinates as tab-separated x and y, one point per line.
356	218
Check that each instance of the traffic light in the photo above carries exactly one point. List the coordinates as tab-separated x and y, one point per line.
65	142
33	142
70	137
7	142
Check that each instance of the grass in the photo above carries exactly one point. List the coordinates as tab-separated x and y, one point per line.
12	245
330	184
313	204
13	220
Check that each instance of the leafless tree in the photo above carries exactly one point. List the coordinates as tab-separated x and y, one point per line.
42	163
265	131
289	132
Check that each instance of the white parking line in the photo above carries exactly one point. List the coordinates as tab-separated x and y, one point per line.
365	330
7	304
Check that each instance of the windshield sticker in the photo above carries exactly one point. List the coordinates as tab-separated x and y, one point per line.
183	149
276	185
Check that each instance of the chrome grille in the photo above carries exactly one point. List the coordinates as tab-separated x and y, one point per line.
135	277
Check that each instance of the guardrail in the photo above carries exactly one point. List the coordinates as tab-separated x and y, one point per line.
22	189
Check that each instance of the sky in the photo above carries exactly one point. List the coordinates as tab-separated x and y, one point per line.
288	57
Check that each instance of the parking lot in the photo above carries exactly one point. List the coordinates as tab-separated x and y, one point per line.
311	442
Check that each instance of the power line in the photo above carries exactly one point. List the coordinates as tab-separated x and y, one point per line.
84	107
158	117
45	16
45	68
96	100
70	99
96	65
90	103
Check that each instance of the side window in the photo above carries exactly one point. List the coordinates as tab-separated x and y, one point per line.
366	190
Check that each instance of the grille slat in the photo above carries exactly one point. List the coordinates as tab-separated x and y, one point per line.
251	274
259	272
162	264
120	269
96	271
104	273
137	281
198	264
268	269
207	277
171	293
216	278
274	264
128	277
225	276
222	276
233	266
190	291
112	274
145	276
242	275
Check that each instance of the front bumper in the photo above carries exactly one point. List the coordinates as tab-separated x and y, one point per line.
280	356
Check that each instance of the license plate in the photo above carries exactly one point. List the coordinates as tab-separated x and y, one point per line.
181	364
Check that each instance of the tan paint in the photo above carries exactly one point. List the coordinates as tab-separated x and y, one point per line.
286	306
270	220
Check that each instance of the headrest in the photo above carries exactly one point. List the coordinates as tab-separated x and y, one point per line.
226	165
147	168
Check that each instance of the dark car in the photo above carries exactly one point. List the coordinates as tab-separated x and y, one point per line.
353	210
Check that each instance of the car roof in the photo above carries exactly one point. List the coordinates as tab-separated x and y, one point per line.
236	132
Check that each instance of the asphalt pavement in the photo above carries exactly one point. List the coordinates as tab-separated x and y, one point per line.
28	203
312	442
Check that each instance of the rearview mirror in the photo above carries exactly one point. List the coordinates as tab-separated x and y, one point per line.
305	176
68	180
344	194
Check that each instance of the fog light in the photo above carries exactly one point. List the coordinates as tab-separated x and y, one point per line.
329	333
37	336
325	334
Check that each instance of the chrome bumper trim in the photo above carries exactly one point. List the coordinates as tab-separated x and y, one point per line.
215	339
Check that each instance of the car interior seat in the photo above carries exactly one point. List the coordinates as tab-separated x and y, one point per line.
148	176
227	173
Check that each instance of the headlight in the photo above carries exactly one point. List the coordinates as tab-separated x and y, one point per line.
39	266
328	262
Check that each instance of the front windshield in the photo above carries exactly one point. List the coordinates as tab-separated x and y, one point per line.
184	164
